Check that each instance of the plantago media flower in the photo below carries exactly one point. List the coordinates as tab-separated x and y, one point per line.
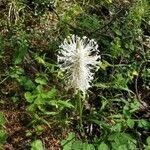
79	58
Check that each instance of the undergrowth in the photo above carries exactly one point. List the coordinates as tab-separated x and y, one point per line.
116	112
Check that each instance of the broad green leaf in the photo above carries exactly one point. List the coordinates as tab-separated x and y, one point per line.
147	147
37	145
52	93
123	147
134	106
39	100
130	123
103	146
39	89
31	107
40	60
87	146
77	145
148	140
67	144
41	81
122	140
144	123
117	127
104	65
29	97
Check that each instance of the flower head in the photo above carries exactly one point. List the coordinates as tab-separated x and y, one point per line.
79	58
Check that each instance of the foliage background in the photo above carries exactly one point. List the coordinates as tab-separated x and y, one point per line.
37	112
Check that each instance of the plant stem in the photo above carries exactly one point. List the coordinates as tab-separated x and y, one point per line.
80	112
81	99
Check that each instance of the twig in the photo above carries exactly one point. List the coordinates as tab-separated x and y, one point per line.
4	79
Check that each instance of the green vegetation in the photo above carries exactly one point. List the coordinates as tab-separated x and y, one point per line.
38	111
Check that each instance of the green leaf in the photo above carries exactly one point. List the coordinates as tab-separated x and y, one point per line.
42	109
147	147
39	100
2	119
104	65
41	81
102	85
31	108
77	145
27	84
52	93
29	97
122	141
103	146
37	145
117	127
144	123
123	147
116	49
148	140
2	136
104	102
87	146
134	106
21	46
67	144
65	104
112	86
39	89
130	123
101	124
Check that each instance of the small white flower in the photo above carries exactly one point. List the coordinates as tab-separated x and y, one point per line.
79	58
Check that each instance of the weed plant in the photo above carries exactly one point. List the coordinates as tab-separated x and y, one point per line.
116	111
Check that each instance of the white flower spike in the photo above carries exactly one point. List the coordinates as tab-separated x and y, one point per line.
79	58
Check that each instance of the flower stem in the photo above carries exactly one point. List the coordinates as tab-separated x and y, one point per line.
80	112
80	105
